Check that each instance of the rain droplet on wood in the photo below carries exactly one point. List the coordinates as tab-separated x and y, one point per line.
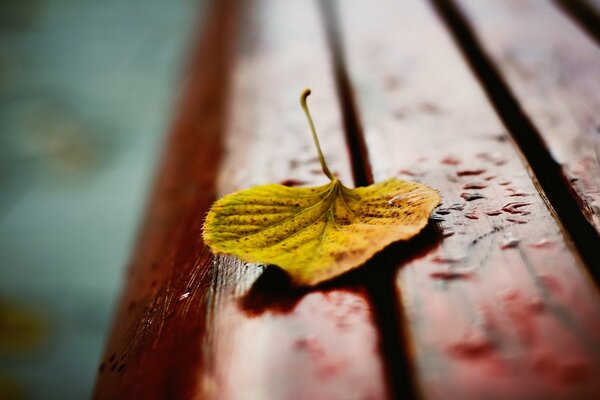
450	160
475	185
470	172
515	208
542	244
493	213
447	259
472	196
509	242
292	182
450	275
516	220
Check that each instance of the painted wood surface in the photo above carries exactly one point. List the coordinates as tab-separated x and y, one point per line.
553	68
500	305
196	326
495	300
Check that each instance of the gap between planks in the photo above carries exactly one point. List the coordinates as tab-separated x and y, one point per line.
380	281
546	170
586	15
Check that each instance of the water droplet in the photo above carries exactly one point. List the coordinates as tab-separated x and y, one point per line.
472	196
515	208
519	194
470	172
474	344
184	296
292	182
411	172
311	344
457	206
542	244
447	259
509	242
516	220
475	185
493	213
451	178
450	275
447	233
450	160
537	306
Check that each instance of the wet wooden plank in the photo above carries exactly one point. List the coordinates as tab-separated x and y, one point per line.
595	4
500	305
192	325
553	68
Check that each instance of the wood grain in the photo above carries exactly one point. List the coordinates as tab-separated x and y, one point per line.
196	326
502	306
553	68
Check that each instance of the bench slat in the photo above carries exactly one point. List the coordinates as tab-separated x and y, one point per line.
193	325
487	315
553	67
322	344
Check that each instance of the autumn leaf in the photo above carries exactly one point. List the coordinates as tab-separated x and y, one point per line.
317	233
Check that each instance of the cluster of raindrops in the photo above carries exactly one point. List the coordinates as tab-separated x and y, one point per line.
474	181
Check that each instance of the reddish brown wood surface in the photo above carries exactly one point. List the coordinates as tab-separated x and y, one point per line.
501	306
196	326
595	4
553	67
498	303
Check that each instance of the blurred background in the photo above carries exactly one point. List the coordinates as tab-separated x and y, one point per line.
86	93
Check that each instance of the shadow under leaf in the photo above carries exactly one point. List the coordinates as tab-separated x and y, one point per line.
274	292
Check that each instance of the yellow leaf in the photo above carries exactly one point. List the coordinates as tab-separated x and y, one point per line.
317	233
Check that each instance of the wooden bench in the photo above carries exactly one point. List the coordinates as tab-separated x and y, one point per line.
495	103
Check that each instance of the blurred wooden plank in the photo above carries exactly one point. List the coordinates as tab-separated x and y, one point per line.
553	67
594	4
196	326
502	306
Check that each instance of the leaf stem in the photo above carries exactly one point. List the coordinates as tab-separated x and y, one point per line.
326	170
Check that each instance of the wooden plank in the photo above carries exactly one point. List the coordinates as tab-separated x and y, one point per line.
594	4
194	326
553	68
501	306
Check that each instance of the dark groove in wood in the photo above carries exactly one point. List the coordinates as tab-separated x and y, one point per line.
546	170
586	16
381	280
361	168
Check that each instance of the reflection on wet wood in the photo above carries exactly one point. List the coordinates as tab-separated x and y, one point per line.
553	71
495	300
503	306
194	325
